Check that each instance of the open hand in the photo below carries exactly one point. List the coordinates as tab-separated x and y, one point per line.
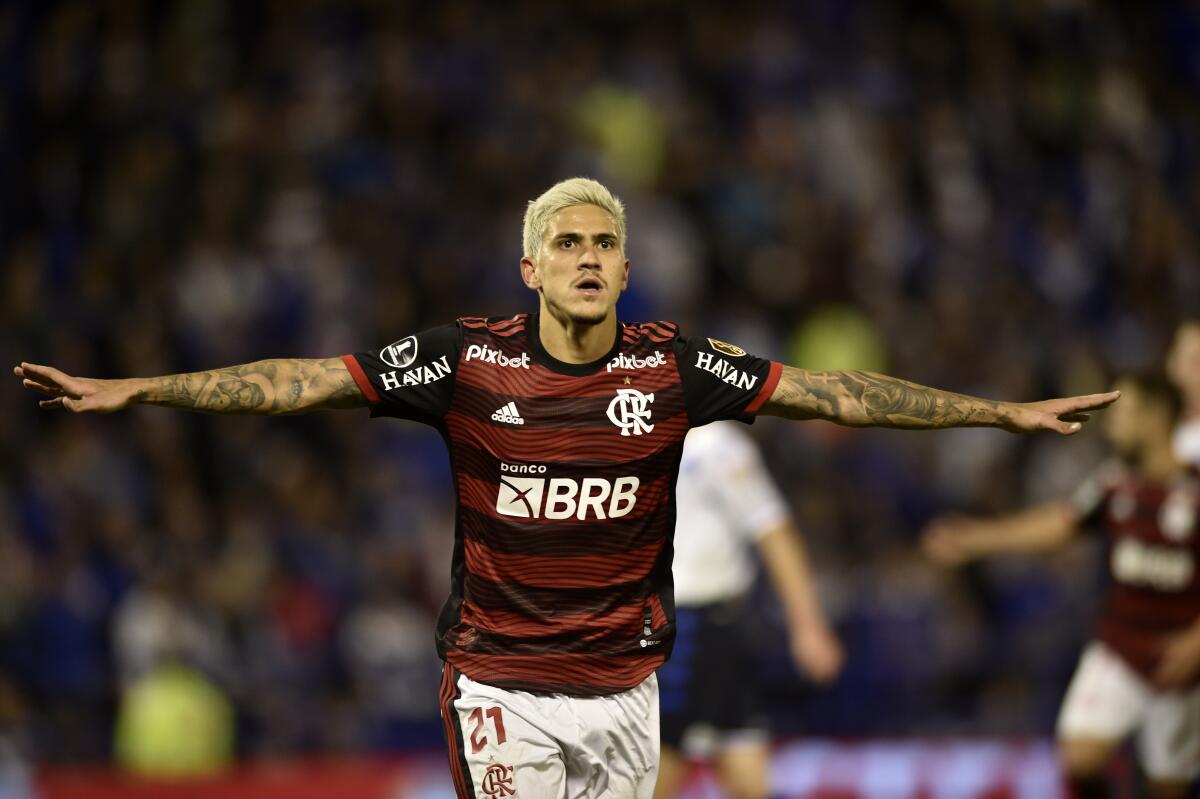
944	541
817	652
1064	416
76	394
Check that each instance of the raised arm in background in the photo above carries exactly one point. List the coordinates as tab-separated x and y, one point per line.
868	399
272	387
814	646
953	540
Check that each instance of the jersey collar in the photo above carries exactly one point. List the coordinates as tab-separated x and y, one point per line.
553	364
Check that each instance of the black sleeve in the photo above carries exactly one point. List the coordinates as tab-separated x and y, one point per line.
722	381
412	378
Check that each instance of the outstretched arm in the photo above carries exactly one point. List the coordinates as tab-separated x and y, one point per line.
275	387
866	399
954	540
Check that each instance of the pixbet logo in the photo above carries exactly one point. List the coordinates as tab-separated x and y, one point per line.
630	411
478	352
623	361
564	497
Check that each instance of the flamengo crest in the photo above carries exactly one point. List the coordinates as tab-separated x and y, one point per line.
630	411
498	780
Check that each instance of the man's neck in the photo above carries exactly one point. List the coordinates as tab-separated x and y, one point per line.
574	342
1191	408
1159	462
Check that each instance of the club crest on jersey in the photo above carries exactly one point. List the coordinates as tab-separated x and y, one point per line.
623	361
726	348
400	354
630	411
725	371
498	781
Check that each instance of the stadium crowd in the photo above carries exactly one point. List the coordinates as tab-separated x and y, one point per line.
1001	199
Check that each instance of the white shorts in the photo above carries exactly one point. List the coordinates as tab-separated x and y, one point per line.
549	746
1108	700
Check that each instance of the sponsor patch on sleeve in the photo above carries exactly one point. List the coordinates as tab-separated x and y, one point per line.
725	347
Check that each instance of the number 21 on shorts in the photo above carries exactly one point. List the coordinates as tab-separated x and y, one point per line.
479	730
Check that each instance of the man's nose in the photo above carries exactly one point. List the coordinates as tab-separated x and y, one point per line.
589	257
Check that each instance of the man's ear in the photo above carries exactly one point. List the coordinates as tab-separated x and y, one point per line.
529	273
625	276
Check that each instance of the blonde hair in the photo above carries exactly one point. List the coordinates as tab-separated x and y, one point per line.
564	194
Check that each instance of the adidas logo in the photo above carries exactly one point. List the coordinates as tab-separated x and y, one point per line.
508	414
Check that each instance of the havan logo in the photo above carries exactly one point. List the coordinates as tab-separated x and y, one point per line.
418	376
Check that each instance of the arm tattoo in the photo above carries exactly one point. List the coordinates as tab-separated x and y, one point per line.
264	387
863	399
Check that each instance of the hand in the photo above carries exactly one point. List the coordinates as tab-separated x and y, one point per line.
945	541
76	394
1064	416
817	652
1180	663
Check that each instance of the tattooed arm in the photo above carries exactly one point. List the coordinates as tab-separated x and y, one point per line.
275	387
866	399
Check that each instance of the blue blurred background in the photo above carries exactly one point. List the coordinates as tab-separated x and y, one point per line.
998	198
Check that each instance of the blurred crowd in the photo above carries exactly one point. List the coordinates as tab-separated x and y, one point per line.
998	198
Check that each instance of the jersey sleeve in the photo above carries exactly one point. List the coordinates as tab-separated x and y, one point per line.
412	378
722	381
752	502
1092	495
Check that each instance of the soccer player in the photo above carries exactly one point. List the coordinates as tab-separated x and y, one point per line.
565	429
1183	367
1141	673
727	505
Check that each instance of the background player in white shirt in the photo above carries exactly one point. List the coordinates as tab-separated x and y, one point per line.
1183	367
1141	673
710	706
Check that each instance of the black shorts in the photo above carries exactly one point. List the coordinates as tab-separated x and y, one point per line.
708	695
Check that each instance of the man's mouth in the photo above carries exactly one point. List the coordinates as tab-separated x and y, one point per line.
590	286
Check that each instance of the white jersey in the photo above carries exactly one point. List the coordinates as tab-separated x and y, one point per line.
1187	441
725	501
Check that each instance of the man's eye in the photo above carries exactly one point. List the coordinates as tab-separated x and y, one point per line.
566	244
606	245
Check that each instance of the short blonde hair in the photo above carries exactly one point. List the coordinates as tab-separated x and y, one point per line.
564	194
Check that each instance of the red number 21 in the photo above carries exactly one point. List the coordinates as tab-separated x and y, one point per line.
478	741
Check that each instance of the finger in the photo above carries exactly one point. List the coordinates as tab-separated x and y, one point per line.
1094	402
1064	428
46	375
49	390
51	403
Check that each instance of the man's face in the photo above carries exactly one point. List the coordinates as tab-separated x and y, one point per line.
1134	423
580	269
1183	361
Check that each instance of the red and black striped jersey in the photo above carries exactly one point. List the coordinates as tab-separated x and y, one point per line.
565	479
1154	548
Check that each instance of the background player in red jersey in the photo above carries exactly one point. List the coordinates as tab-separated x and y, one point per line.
1142	671
565	429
